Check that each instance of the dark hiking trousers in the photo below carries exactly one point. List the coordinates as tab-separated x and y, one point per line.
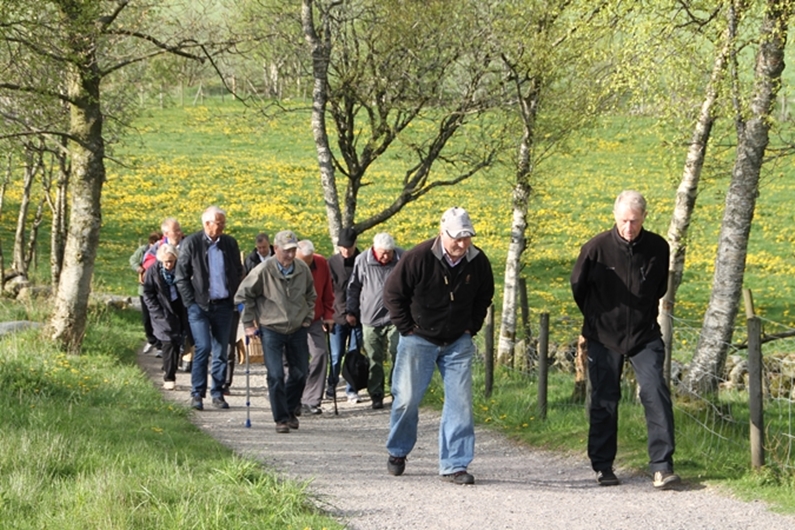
604	368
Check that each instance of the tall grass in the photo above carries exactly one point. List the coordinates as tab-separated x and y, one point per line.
88	442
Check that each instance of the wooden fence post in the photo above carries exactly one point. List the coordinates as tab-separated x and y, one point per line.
489	357
543	355
528	334
756	407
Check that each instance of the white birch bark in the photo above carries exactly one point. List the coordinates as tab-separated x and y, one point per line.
687	191
320	46
716	332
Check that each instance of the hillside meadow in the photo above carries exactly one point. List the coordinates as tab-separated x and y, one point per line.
263	171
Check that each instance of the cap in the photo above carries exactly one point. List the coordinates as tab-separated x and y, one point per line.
285	240
456	223
347	237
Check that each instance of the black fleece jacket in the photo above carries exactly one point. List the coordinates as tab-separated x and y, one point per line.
439	303
618	285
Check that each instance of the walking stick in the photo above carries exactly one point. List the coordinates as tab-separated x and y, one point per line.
331	371
248	387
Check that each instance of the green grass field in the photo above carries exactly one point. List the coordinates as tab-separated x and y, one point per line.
89	442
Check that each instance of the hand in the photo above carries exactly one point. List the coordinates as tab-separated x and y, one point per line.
351	320
251	331
328	325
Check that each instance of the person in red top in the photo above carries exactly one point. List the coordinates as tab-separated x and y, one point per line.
321	324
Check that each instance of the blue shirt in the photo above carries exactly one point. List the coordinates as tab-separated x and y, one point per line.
215	262
285	272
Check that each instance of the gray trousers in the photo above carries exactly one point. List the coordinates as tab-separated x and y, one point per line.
318	359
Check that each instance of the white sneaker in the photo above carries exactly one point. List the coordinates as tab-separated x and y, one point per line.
159	354
148	347
353	397
169	385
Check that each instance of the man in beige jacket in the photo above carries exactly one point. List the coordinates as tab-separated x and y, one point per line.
278	298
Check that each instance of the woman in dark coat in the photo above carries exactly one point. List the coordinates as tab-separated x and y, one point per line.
167	312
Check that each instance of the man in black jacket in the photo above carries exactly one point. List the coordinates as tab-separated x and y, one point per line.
208	274
343	337
437	297
617	282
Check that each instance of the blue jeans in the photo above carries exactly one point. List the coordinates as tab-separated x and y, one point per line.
414	365
340	333
604	369
285	396
210	330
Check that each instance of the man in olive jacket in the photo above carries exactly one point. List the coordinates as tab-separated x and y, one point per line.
617	282
278	298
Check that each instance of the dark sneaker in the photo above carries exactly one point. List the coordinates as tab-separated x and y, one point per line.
293	423
220	403
196	403
396	465
665	479
331	391
225	390
297	411
459	477
607	478
378	402
282	428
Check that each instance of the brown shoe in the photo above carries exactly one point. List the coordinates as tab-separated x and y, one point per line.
293	423
282	428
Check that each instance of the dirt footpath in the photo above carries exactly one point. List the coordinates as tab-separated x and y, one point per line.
516	487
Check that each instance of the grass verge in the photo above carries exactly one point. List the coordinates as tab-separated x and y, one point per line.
88	442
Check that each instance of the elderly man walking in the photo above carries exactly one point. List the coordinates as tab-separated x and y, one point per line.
278	300
343	337
365	305
207	275
437	297
316	333
617	282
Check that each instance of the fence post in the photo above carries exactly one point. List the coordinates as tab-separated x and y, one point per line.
489	358
528	334
543	355
755	401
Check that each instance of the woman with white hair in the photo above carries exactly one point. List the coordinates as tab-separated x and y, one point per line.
166	310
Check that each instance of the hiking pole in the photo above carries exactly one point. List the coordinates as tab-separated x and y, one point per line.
248	387
331	371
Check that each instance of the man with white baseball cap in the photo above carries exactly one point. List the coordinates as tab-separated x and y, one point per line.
437	297
278	300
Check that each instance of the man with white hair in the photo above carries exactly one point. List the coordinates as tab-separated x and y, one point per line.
437	297
617	282
207	275
365	305
321	323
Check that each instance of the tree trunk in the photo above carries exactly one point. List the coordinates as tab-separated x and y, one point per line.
3	186
320	46
32	165
687	192
59	215
716	332
528	109
87	153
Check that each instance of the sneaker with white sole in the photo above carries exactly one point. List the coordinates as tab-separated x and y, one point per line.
169	385
148	347
665	479
353	397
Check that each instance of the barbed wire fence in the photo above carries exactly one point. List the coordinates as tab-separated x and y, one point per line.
718	424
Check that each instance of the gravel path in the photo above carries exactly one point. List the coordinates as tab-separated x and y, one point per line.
516	487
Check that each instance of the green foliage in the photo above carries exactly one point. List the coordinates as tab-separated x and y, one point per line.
89	442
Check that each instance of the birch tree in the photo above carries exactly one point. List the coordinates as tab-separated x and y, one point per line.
380	67
554	59
76	48
753	122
